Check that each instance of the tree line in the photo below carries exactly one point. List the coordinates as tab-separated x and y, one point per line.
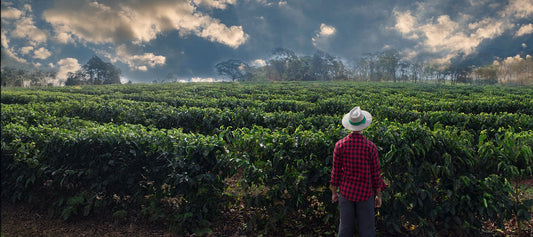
285	65
388	65
94	72
13	77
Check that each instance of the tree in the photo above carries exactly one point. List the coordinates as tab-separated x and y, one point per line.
95	72
488	74
19	77
284	65
326	67
75	78
320	66
366	67
388	64
458	73
12	77
170	77
233	68
417	68
405	68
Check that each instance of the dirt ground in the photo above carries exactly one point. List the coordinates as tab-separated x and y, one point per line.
22	220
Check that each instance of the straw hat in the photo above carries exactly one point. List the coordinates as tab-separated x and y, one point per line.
357	119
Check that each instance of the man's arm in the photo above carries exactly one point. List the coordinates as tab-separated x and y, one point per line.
334	194
336	174
377	202
377	180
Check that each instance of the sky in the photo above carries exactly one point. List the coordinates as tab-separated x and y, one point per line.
149	40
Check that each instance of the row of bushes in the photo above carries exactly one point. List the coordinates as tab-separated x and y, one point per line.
196	120
166	152
162	175
319	100
440	179
208	120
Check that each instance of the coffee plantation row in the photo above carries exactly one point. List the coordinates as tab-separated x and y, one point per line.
189	154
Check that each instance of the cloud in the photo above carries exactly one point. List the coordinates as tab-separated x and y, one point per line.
11	13
67	65
264	2
26	50
64	38
512	60
405	24
199	79
20	36
8	51
140	62
518	9
41	53
5	40
524	30
141	21
217	32
219	4
326	31
24	25
447	36
259	63
124	80
26	29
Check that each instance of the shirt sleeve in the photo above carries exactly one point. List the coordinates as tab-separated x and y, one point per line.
336	171
377	181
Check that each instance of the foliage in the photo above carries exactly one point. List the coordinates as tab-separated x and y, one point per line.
387	65
12	77
488	74
450	155
94	72
234	69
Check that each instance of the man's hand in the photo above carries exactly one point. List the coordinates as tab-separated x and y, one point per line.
334	197
377	201
334	193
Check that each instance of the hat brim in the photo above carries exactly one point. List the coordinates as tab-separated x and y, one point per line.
347	125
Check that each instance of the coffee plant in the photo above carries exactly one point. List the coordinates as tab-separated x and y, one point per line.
454	157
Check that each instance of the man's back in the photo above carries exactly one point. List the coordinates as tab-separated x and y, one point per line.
356	167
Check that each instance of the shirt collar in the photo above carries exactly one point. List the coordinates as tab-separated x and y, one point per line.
355	134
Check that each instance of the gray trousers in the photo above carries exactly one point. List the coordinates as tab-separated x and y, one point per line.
363	212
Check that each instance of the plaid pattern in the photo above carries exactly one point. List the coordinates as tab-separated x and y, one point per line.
356	168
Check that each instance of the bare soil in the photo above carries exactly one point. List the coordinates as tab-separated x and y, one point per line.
21	220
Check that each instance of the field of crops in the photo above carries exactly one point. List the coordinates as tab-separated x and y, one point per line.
186	154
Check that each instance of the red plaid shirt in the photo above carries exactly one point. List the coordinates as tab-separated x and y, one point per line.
356	168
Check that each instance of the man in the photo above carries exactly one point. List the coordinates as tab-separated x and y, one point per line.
356	172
